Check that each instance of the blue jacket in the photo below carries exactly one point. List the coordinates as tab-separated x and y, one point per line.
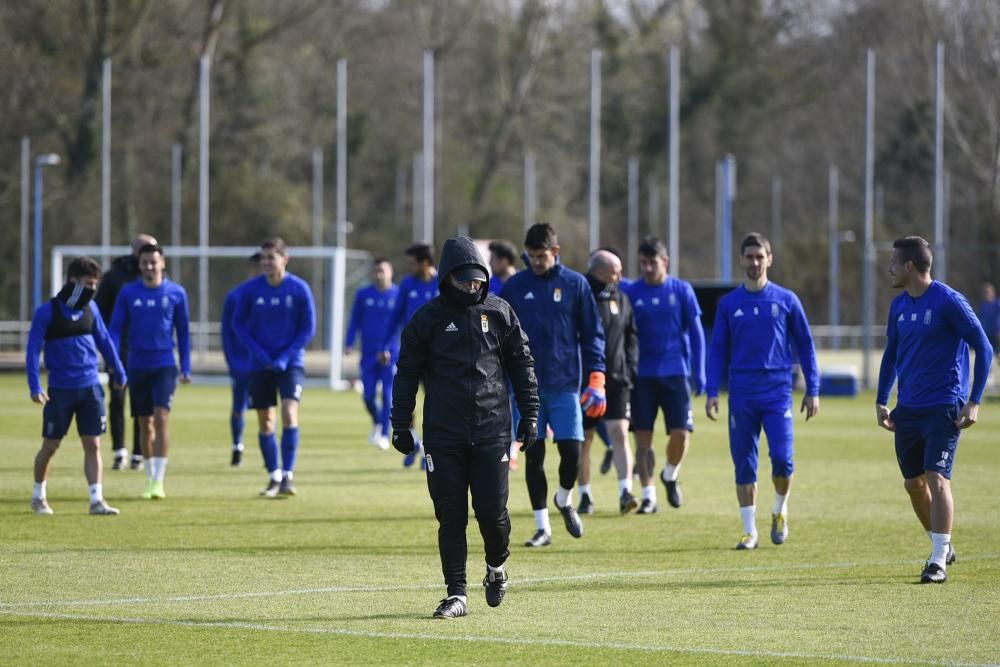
558	313
372	315
71	361
413	293
236	353
276	323
150	317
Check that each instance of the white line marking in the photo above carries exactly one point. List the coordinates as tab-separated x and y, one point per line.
593	576
657	648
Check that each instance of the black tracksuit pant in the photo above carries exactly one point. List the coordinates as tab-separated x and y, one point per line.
534	472
453	470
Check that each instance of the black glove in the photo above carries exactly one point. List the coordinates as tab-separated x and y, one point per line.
402	440
527	433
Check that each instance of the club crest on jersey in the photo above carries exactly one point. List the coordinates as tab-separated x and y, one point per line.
370	301
613	306
484	322
756	310
927	316
913	317
774	310
288	301
165	302
672	299
656	300
557	294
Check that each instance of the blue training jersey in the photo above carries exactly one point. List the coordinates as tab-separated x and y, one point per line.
671	338
413	293
757	337
276	323
237	354
371	316
927	349
71	361
558	313
150	316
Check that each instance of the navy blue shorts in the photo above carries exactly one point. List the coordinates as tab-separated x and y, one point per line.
86	403
267	385
669	394
241	391
926	439
151	388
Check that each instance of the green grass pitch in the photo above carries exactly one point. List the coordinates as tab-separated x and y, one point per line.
348	571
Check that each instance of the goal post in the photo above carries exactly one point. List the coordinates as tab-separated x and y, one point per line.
332	273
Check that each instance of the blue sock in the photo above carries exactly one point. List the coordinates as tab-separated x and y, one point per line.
236	427
269	449
289	447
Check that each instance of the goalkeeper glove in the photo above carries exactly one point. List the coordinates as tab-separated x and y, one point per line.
592	398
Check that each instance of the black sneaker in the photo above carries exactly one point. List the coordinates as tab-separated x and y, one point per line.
286	488
452	607
119	463
572	520
136	462
272	489
539	539
933	574
627	502
674	495
496	586
647	507
586	504
609	458
237	460
952	557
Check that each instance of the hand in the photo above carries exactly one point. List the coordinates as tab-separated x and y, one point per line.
712	407
968	416
883	419
185	378
41	398
384	358
527	433
592	399
402	440
810	405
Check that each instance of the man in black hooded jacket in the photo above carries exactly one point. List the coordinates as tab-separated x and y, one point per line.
460	344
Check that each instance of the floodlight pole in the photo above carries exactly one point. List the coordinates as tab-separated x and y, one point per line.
867	277
42	161
428	151
106	163
530	191
203	195
633	216
673	210
834	236
175	206
940	238
594	211
23	315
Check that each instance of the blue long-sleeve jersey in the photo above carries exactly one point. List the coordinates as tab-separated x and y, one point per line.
756	337
371	316
927	348
413	293
236	353
558	312
275	323
150	315
671	338
71	361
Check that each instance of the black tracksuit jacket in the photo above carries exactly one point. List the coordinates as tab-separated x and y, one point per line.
461	354
621	340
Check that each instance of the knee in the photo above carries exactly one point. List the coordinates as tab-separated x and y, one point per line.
916	486
782	468
937	483
452	511
50	447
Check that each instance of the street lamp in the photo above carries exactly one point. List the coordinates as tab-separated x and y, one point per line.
42	161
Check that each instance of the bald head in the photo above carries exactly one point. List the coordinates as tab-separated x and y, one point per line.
141	240
605	266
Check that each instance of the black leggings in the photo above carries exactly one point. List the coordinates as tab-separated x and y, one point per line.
534	473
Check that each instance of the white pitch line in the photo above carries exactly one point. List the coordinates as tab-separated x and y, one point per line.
528	581
514	641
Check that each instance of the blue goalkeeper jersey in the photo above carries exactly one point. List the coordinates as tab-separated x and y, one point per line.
71	360
927	349
668	320
150	316
371	316
275	323
757	338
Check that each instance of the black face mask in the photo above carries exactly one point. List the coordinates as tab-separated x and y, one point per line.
76	295
458	298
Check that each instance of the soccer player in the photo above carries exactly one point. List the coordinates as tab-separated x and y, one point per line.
462	345
557	311
989	314
276	318
620	357
928	336
70	330
123	270
146	314
370	315
503	257
759	329
415	290
671	354
238	361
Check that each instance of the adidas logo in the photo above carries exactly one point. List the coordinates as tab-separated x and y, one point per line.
504	457
900	318
529	295
451	327
738	313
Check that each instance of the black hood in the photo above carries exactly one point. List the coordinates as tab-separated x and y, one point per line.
457	252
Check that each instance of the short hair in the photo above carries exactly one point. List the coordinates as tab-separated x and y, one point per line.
83	267
381	260
422	252
277	244
652	247
540	236
254	259
151	247
915	249
755	239
504	249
